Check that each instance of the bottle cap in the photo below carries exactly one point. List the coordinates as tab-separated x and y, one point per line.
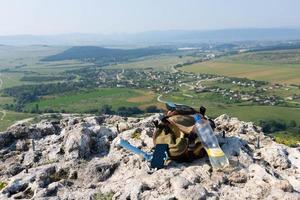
197	118
202	110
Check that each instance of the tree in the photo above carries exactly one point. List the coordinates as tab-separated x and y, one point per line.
36	108
106	109
127	111
152	109
292	123
271	126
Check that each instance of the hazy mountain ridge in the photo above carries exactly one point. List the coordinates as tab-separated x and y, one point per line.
156	37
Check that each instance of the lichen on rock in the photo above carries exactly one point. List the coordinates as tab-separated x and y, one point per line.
78	158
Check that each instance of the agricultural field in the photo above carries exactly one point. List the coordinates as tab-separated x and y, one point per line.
19	62
216	107
269	57
5	100
12	79
22	57
85	101
12	117
284	91
25	67
271	66
27	60
161	62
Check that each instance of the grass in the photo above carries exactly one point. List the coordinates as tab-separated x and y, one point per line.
6	100
11	118
12	79
48	68
287	138
272	73
286	92
257	113
2	185
103	196
269	57
254	66
253	113
13	56
84	101
27	59
206	98
136	134
227	86
57	176
48	117
273	66
283	92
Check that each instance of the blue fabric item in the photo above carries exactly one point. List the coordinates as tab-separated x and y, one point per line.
134	149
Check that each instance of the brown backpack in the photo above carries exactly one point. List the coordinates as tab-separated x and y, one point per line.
182	147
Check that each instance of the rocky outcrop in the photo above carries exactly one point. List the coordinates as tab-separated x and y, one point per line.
77	142
78	157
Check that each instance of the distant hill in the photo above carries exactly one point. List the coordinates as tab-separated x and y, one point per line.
104	55
157	37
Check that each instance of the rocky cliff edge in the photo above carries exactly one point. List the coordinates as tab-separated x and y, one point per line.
77	157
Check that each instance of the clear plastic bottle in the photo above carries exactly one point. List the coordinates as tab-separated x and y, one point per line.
217	158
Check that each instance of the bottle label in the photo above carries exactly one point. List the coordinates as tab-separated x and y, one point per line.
215	152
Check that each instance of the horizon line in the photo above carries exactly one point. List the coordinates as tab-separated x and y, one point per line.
149	31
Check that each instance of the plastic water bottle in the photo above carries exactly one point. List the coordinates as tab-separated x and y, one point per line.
217	158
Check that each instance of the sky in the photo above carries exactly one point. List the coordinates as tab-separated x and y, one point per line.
47	17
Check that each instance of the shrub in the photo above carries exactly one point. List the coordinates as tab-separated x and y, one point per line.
136	134
2	185
271	126
128	111
103	196
106	109
152	109
292	123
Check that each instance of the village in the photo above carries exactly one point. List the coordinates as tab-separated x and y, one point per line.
238	90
